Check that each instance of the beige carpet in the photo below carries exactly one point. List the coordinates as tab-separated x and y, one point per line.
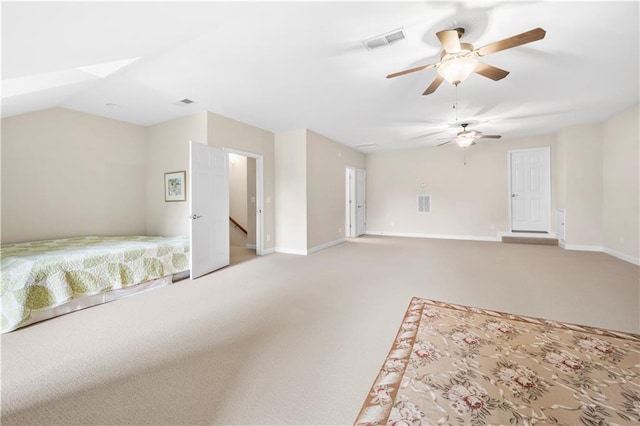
287	339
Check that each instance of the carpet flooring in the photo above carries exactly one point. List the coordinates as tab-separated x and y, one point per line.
286	339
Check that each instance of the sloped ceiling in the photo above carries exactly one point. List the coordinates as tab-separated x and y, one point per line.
290	65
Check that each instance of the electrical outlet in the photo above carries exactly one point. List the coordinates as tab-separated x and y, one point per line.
268	237
339	230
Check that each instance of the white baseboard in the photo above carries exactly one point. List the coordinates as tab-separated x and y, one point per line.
438	236
580	247
268	251
610	252
251	246
287	250
622	256
326	245
303	252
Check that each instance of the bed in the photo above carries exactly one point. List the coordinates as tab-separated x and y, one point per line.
44	279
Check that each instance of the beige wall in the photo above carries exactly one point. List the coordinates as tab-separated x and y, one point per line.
237	198
168	151
621	183
223	132
66	173
583	192
238	188
466	200
291	191
326	188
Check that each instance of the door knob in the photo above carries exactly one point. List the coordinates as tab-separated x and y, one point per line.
194	216
514	195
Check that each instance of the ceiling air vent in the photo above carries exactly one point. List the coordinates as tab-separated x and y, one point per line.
367	146
424	203
183	102
384	39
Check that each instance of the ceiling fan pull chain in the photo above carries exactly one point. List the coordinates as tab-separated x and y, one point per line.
455	105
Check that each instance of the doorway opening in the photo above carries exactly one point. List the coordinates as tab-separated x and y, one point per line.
245	206
355	202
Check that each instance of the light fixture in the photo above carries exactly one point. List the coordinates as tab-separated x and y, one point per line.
455	67
466	138
465	141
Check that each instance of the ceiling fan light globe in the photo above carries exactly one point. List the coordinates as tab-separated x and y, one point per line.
456	69
464	142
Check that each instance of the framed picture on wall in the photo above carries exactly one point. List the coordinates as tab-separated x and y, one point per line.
175	186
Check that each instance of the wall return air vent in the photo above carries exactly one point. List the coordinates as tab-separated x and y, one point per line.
384	39
424	203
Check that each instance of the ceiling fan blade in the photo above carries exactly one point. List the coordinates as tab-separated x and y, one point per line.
420	68
489	137
489	71
444	143
516	40
449	40
434	85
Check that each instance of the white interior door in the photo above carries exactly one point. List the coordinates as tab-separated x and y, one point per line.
530	190
209	208
350	207
361	202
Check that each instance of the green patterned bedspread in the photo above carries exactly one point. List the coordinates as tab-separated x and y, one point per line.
45	274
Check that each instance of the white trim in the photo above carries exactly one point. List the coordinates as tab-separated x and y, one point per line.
251	246
268	251
580	247
526	235
286	250
436	236
622	256
541	148
311	250
326	245
259	196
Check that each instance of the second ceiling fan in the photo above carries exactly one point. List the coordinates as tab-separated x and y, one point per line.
458	60
466	138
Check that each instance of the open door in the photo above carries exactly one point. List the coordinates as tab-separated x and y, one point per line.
209	208
361	202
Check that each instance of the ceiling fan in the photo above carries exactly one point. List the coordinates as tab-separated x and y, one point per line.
467	138
458	60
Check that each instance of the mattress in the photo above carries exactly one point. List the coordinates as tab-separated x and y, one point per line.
39	277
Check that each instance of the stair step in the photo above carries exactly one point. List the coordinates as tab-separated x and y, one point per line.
531	240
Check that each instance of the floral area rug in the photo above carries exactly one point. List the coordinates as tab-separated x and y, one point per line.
452	364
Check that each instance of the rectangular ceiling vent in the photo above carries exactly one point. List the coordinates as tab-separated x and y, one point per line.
183	102
367	146
384	39
424	203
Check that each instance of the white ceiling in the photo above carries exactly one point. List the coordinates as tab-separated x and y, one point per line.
291	65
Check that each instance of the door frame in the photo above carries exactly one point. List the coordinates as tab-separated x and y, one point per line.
547	150
364	201
350	202
259	195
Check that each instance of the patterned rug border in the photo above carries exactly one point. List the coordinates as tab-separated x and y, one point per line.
533	320
386	384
